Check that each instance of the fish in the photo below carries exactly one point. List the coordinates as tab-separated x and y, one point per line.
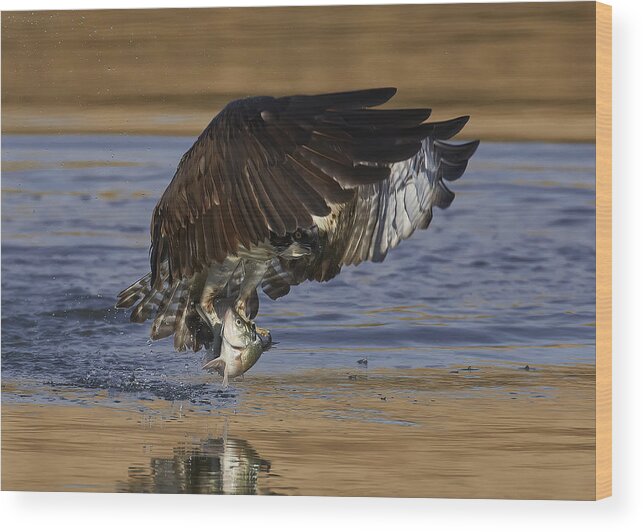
242	343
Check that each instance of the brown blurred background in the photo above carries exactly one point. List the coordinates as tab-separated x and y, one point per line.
522	71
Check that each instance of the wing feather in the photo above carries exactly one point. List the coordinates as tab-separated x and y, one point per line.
404	203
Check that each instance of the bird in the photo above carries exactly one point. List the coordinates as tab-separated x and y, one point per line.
277	191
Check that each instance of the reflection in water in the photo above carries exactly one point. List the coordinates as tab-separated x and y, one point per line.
218	466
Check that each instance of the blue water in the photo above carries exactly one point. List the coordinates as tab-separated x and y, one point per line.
506	274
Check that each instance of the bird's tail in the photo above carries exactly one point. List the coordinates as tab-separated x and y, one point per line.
140	295
145	299
172	308
134	292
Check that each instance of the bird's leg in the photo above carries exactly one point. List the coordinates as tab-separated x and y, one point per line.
225	377
218	276
247	303
262	331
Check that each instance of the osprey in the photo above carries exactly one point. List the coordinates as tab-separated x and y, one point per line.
277	191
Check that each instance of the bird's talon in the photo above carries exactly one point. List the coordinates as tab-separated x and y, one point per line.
263	332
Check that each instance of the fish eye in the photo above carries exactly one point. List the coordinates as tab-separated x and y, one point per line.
238	322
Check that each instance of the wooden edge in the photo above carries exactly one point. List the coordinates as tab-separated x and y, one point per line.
603	250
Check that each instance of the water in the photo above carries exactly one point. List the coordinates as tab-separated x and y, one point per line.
506	274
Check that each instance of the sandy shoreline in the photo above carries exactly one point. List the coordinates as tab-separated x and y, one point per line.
499	432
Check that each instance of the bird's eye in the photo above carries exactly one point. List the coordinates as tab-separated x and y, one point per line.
298	235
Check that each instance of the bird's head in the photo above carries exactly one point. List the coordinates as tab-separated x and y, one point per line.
303	242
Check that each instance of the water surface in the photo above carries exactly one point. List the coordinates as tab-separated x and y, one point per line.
505	275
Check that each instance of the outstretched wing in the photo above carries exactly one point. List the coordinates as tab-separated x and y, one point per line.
390	211
384	213
269	165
